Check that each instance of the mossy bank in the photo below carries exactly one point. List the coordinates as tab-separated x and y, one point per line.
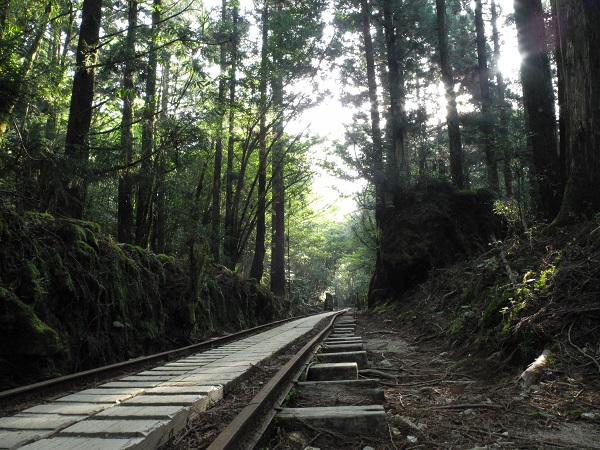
72	298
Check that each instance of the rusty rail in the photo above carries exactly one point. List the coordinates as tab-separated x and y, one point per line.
249	425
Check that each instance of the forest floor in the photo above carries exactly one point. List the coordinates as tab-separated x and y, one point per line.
438	400
453	401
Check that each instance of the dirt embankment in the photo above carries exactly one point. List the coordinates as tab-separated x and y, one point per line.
471	329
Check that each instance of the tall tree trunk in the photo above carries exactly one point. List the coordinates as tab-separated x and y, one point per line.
538	100
452	120
503	138
77	147
159	222
491	158
143	217
562	139
125	211
398	167
278	205
215	246
378	167
230	243
377	157
579	30
258	261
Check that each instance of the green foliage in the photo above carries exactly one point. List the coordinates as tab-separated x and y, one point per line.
508	209
291	396
517	299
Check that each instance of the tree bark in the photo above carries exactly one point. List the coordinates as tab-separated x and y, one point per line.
145	185
158	237
377	152
215	246
538	100
258	261
77	147
230	243
278	237
125	211
278	188
452	119
579	30
397	167
484	87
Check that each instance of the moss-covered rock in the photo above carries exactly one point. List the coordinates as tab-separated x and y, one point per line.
431	227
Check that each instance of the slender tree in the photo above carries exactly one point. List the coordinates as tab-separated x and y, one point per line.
159	219
143	219
257	268
229	247
486	113
277	268
125	212
376	138
218	166
452	119
77	147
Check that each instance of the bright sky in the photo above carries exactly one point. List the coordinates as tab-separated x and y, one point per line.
328	120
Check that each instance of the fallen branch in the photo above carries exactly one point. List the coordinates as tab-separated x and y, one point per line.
419	384
391	437
428	338
468	406
509	271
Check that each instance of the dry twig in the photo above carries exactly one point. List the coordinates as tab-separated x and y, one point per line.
580	350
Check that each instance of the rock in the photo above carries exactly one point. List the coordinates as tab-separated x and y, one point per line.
298	437
385	363
408	421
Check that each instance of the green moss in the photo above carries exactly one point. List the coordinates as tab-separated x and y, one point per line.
91	226
165	259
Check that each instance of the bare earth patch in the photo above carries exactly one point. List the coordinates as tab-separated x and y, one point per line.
437	401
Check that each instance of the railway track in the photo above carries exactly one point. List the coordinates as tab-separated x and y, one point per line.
143	409
11	399
325	372
148	408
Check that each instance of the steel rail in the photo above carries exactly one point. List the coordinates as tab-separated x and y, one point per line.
246	429
132	363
